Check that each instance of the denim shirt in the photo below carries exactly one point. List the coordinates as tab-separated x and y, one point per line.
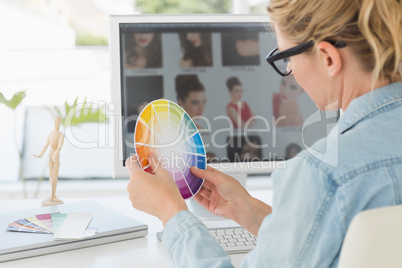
358	166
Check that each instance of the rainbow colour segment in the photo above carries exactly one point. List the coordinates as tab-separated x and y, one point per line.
165	129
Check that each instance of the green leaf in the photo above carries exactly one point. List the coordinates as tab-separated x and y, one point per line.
58	111
79	113
14	101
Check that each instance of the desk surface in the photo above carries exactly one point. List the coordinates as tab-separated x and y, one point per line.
141	252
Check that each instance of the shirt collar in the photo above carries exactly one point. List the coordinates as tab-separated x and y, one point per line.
369	104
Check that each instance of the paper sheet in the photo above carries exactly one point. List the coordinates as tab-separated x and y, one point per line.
37	222
57	220
46	219
73	226
21	228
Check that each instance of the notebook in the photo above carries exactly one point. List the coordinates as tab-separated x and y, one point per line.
111	227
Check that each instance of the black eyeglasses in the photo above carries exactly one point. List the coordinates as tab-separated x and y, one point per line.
279	60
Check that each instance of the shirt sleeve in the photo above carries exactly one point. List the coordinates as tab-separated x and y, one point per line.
305	228
190	244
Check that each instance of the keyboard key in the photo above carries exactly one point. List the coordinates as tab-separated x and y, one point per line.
234	240
238	249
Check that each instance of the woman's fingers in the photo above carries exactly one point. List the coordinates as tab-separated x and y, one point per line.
208	185
210	174
205	193
156	165
132	164
154	162
202	201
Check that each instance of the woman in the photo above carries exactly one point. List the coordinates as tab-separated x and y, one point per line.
190	93
246	148
240	48
143	50
196	48
343	54
238	111
286	110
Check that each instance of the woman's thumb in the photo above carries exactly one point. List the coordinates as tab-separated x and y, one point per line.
209	174
154	162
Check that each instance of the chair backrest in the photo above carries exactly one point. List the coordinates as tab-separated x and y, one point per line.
374	239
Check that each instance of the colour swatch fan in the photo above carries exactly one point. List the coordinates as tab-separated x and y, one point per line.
165	129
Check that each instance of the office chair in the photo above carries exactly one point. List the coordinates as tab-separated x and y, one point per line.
374	240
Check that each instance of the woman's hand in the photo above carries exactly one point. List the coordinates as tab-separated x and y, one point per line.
156	194
223	195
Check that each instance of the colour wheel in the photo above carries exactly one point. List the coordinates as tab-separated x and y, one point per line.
164	128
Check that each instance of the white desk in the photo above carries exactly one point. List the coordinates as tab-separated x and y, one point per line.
141	252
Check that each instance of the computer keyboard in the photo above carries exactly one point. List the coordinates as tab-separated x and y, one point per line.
234	239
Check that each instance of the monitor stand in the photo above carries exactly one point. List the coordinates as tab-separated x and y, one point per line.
203	213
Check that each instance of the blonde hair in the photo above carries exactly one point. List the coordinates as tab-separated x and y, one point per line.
371	28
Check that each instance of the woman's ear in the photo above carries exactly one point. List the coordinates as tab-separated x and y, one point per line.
330	58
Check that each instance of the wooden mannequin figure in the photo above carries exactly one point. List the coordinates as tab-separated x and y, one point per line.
55	140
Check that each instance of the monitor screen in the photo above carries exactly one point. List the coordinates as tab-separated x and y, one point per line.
217	72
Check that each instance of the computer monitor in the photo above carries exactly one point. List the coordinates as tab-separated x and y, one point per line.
250	118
